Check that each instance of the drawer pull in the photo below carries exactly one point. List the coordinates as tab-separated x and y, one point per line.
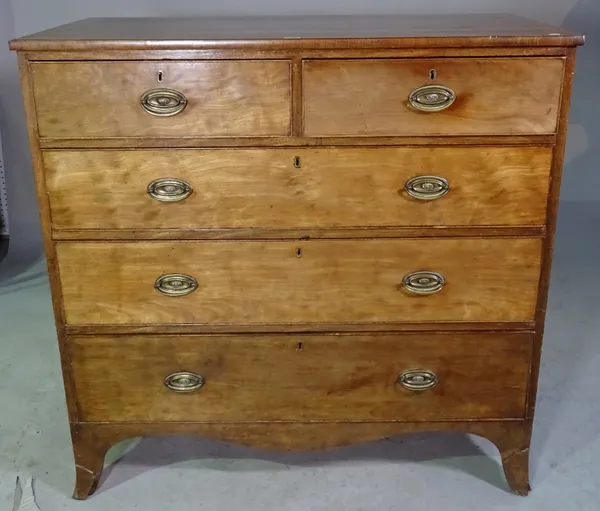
184	382
176	284
418	380
169	189
431	98
424	282
427	187
163	102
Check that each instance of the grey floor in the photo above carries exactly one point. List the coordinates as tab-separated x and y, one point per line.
438	471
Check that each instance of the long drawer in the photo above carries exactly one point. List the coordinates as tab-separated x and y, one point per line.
161	98
288	188
408	377
452	96
317	281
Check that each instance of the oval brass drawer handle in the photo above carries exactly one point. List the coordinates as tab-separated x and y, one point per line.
424	282
431	98
169	189
427	187
418	379
184	382
176	284
163	102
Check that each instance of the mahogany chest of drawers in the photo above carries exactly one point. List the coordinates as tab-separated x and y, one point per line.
299	233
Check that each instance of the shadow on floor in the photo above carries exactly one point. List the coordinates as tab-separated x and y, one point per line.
454	451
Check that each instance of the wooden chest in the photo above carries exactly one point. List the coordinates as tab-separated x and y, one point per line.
299	233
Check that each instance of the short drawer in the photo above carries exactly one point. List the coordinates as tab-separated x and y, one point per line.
157	98
283	282
407	377
496	96
298	188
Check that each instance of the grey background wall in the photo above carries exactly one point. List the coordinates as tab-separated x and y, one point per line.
19	17
19	178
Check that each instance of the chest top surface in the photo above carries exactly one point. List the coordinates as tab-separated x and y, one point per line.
396	31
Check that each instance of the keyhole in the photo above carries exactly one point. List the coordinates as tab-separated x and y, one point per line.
299	346
160	76
298	253
432	74
297	162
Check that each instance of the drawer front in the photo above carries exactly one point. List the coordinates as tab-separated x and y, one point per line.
104	99
296	188
324	281
301	377
371	97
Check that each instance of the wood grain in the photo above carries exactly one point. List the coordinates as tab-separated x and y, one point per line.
369	97
335	32
481	376
441	231
263	328
297	106
262	188
290	53
334	281
102	99
270	142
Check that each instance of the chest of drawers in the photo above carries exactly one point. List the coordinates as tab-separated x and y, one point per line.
298	233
